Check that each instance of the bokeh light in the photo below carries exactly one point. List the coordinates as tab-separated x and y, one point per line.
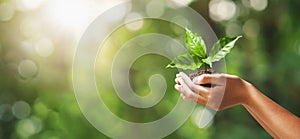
27	68
220	10
44	47
40	109
259	5
27	46
155	8
233	29
5	112
251	28
133	21
182	21
21	109
69	14
28	127
179	3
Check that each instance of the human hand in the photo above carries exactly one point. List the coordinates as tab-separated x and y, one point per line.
228	90
225	91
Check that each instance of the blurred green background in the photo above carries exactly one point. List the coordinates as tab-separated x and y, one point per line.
38	40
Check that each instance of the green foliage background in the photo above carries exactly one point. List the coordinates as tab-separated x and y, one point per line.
268	58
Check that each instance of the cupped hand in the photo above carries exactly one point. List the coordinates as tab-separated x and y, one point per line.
224	91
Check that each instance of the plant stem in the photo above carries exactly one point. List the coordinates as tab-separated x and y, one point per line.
206	66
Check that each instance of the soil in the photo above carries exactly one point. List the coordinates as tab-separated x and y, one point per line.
200	72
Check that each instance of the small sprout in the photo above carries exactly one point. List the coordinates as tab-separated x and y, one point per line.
197	56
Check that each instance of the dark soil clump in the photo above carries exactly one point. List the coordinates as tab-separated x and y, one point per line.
200	72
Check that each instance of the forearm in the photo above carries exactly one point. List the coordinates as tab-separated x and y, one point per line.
254	115
275	117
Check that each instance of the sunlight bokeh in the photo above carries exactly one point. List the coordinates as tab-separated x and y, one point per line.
70	14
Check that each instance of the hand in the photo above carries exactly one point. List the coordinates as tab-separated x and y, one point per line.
225	91
228	90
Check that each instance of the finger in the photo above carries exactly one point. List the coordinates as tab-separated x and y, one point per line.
189	83
186	92
203	79
216	79
177	81
191	96
184	76
178	87
200	100
194	88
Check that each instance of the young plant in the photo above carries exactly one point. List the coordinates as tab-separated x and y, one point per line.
198	58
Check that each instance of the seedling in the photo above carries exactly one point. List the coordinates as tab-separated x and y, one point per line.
197	57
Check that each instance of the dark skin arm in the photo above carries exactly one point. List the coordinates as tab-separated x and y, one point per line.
276	120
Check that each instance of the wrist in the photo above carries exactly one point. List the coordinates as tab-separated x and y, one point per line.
249	93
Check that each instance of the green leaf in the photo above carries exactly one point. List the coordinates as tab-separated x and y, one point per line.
195	43
186	61
222	47
207	61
